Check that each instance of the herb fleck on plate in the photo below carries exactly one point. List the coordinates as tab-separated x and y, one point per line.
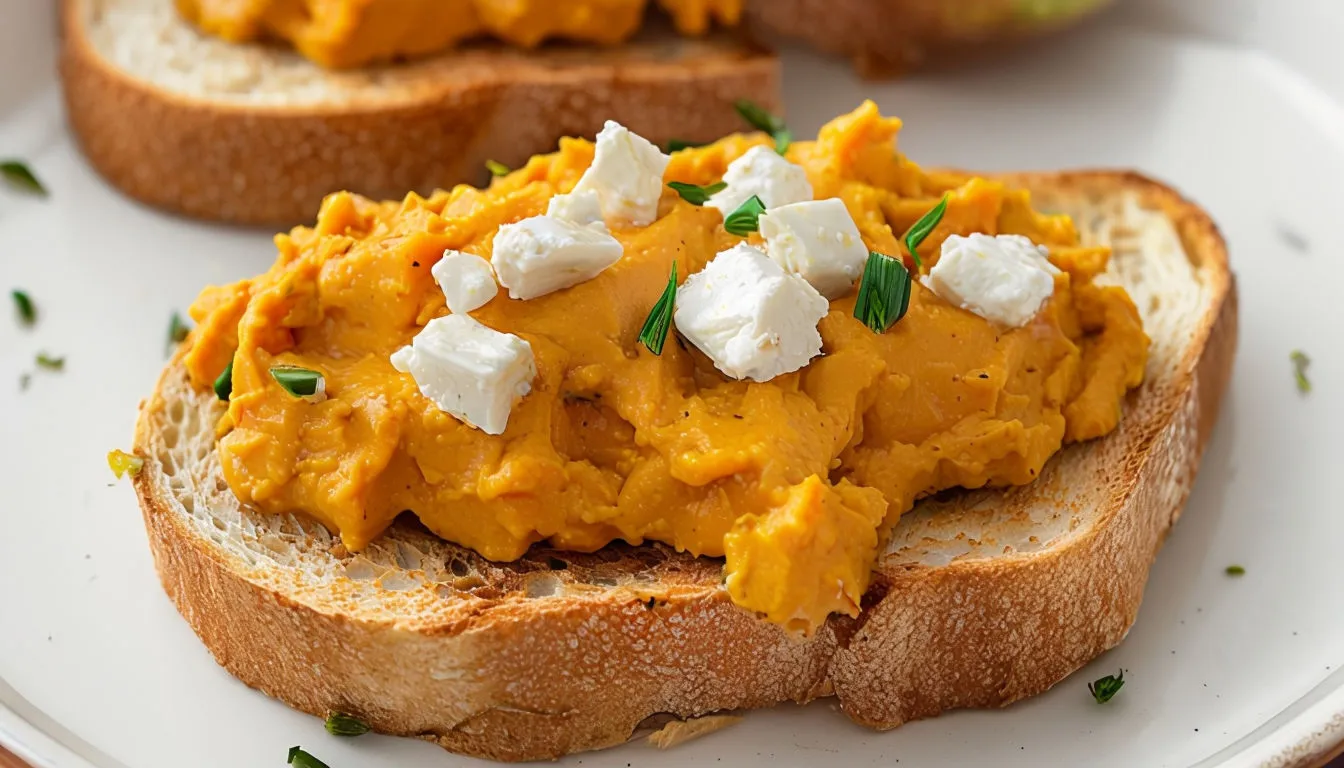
20	176
23	304
339	724
1300	363
50	362
1104	689
301	759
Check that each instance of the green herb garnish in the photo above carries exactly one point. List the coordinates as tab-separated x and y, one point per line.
50	362
758	118
299	382
177	331
24	304
496	168
18	175
695	194
884	292
121	462
746	218
676	145
922	228
339	724
224	384
656	325
1104	689
1300	363
301	759
1235	570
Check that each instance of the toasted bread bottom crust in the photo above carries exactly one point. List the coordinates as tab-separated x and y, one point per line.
536	679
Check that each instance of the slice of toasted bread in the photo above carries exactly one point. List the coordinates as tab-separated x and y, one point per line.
982	598
889	37
255	134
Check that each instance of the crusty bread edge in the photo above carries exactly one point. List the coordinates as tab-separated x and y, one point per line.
721	658
271	165
990	632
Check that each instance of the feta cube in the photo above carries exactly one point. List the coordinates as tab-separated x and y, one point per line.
626	175
582	208
763	172
536	256
1003	278
468	370
753	319
818	241
466	280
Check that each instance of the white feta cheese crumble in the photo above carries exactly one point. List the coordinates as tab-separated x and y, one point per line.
626	174
468	370
765	173
466	280
582	208
1003	278
753	319
539	255
818	241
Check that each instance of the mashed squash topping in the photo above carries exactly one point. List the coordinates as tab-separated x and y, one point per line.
796	480
352	33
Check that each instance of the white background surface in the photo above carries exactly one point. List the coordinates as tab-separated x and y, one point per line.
1238	103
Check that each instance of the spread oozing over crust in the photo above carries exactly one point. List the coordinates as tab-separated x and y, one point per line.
796	481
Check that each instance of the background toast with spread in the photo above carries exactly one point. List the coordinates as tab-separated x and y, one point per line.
884	38
258	135
982	598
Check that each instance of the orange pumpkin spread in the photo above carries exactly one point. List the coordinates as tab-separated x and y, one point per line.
352	33
796	480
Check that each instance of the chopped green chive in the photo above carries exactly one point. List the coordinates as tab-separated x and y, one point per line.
496	168
301	759
758	118
1300	363
695	194
1104	690
177	331
922	228
24	304
676	145
50	362
339	724
224	384
18	175
884	292
299	382
1235	570
122	462
746	219
656	325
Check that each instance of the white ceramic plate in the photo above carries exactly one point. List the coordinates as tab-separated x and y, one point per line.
1238	103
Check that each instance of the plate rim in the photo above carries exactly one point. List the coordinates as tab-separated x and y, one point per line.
1304	739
